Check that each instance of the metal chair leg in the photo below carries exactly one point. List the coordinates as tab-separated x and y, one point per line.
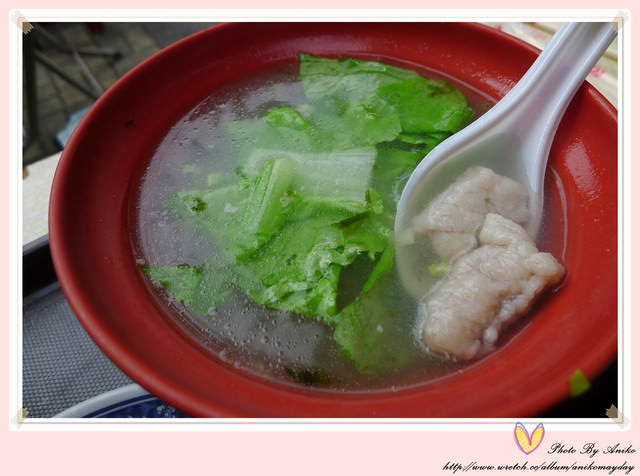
94	89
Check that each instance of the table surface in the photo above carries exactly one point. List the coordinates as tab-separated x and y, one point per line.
62	367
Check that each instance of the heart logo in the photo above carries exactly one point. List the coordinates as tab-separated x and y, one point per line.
528	443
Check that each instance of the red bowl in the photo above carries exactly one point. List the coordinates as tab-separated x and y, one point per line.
92	240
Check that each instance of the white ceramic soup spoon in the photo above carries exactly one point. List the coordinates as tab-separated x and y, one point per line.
513	138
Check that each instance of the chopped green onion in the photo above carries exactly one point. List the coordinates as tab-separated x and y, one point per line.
438	270
578	383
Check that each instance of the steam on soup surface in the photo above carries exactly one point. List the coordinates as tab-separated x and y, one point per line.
265	220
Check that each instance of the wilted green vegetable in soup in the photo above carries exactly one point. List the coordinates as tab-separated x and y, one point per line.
267	216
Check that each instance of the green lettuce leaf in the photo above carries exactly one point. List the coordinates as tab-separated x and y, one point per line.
314	199
427	106
372	331
201	288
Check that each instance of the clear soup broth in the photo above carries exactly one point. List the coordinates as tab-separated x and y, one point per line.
283	346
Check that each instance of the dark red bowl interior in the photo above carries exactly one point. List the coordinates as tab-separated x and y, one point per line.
91	237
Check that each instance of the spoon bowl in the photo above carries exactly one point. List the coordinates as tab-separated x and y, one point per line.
513	138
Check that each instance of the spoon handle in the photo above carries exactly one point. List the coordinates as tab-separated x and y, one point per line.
531	112
553	79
